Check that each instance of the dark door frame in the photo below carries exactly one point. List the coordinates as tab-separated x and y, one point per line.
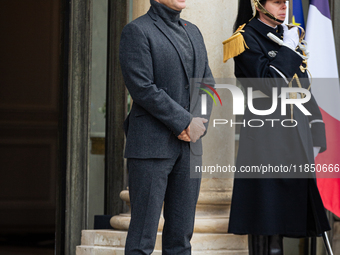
116	108
74	124
74	120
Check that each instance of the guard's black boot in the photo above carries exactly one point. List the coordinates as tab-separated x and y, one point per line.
258	245
275	245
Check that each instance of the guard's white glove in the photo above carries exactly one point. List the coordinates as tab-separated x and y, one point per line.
282	43
316	151
290	36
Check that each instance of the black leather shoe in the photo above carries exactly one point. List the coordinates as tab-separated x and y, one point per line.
275	245
258	245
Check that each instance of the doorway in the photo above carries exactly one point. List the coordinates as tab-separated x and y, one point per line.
29	113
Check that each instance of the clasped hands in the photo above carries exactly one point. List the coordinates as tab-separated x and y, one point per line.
194	131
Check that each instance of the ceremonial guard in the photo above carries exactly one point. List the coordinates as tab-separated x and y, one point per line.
269	54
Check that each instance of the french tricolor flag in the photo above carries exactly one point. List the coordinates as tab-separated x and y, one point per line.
323	64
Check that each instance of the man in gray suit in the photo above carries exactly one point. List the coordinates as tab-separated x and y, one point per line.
159	54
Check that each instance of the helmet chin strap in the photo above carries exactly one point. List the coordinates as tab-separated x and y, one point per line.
265	12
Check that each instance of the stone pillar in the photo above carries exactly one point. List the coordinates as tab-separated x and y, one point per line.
140	7
215	19
215	22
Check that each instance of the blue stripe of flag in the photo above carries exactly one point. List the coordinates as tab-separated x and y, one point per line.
298	13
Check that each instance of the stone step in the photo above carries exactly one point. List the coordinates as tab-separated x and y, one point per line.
108	238
203	223
199	241
214	241
97	250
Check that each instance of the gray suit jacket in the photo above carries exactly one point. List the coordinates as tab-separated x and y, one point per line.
156	78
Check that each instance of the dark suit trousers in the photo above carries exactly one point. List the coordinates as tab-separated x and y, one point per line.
152	181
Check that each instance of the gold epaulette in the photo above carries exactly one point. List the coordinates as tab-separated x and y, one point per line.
235	45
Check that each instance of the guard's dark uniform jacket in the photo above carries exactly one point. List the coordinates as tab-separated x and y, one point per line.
266	206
